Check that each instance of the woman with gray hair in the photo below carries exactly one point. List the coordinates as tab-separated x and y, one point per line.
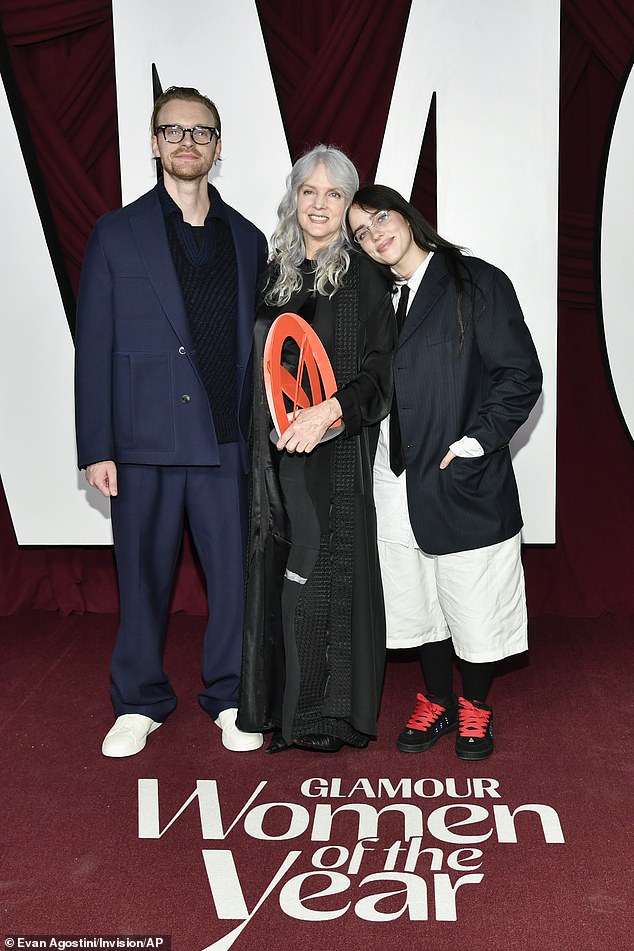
314	640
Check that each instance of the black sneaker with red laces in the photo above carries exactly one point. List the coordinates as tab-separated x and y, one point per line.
429	720
475	729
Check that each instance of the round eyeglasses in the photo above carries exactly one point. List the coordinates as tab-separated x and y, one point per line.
201	134
378	220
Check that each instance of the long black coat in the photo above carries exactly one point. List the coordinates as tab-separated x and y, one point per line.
484	387
365	399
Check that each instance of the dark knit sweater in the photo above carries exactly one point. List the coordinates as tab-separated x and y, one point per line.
205	263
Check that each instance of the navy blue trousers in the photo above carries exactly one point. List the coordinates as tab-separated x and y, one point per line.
147	519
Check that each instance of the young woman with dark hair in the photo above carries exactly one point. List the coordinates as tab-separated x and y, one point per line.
466	376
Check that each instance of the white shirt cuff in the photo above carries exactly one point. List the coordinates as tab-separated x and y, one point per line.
467	448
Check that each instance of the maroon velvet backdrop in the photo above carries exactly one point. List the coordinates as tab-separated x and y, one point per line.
62	53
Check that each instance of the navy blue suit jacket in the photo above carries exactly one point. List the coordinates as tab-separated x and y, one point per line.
484	388
139	395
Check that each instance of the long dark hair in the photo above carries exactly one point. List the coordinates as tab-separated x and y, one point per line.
383	198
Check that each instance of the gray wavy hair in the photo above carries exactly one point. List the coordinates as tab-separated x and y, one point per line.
287	241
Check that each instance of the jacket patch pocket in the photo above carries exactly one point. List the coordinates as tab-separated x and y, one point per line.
467	475
480	478
143	408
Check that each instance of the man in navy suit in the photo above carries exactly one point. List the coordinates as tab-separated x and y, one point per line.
466	376
163	363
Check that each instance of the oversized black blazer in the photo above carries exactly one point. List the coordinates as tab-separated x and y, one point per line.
139	395
484	387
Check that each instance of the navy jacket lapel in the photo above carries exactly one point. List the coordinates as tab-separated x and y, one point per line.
148	226
431	289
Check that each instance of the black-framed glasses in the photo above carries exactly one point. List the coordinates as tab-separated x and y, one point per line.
201	134
378	220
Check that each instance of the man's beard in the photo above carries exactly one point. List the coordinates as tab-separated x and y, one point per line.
187	171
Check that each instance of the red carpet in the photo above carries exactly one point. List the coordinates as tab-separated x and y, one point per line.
460	861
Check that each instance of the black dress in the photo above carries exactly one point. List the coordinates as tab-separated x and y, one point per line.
313	652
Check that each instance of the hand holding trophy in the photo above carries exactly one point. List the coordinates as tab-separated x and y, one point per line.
314	415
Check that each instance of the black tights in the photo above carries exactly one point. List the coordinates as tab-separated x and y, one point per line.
437	663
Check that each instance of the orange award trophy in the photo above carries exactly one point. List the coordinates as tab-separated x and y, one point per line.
280	382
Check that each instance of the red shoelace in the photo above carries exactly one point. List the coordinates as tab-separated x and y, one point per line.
424	713
472	721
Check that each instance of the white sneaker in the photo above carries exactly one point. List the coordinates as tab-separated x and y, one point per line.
128	735
233	738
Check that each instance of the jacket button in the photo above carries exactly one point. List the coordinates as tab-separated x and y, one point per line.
186	398
182	351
